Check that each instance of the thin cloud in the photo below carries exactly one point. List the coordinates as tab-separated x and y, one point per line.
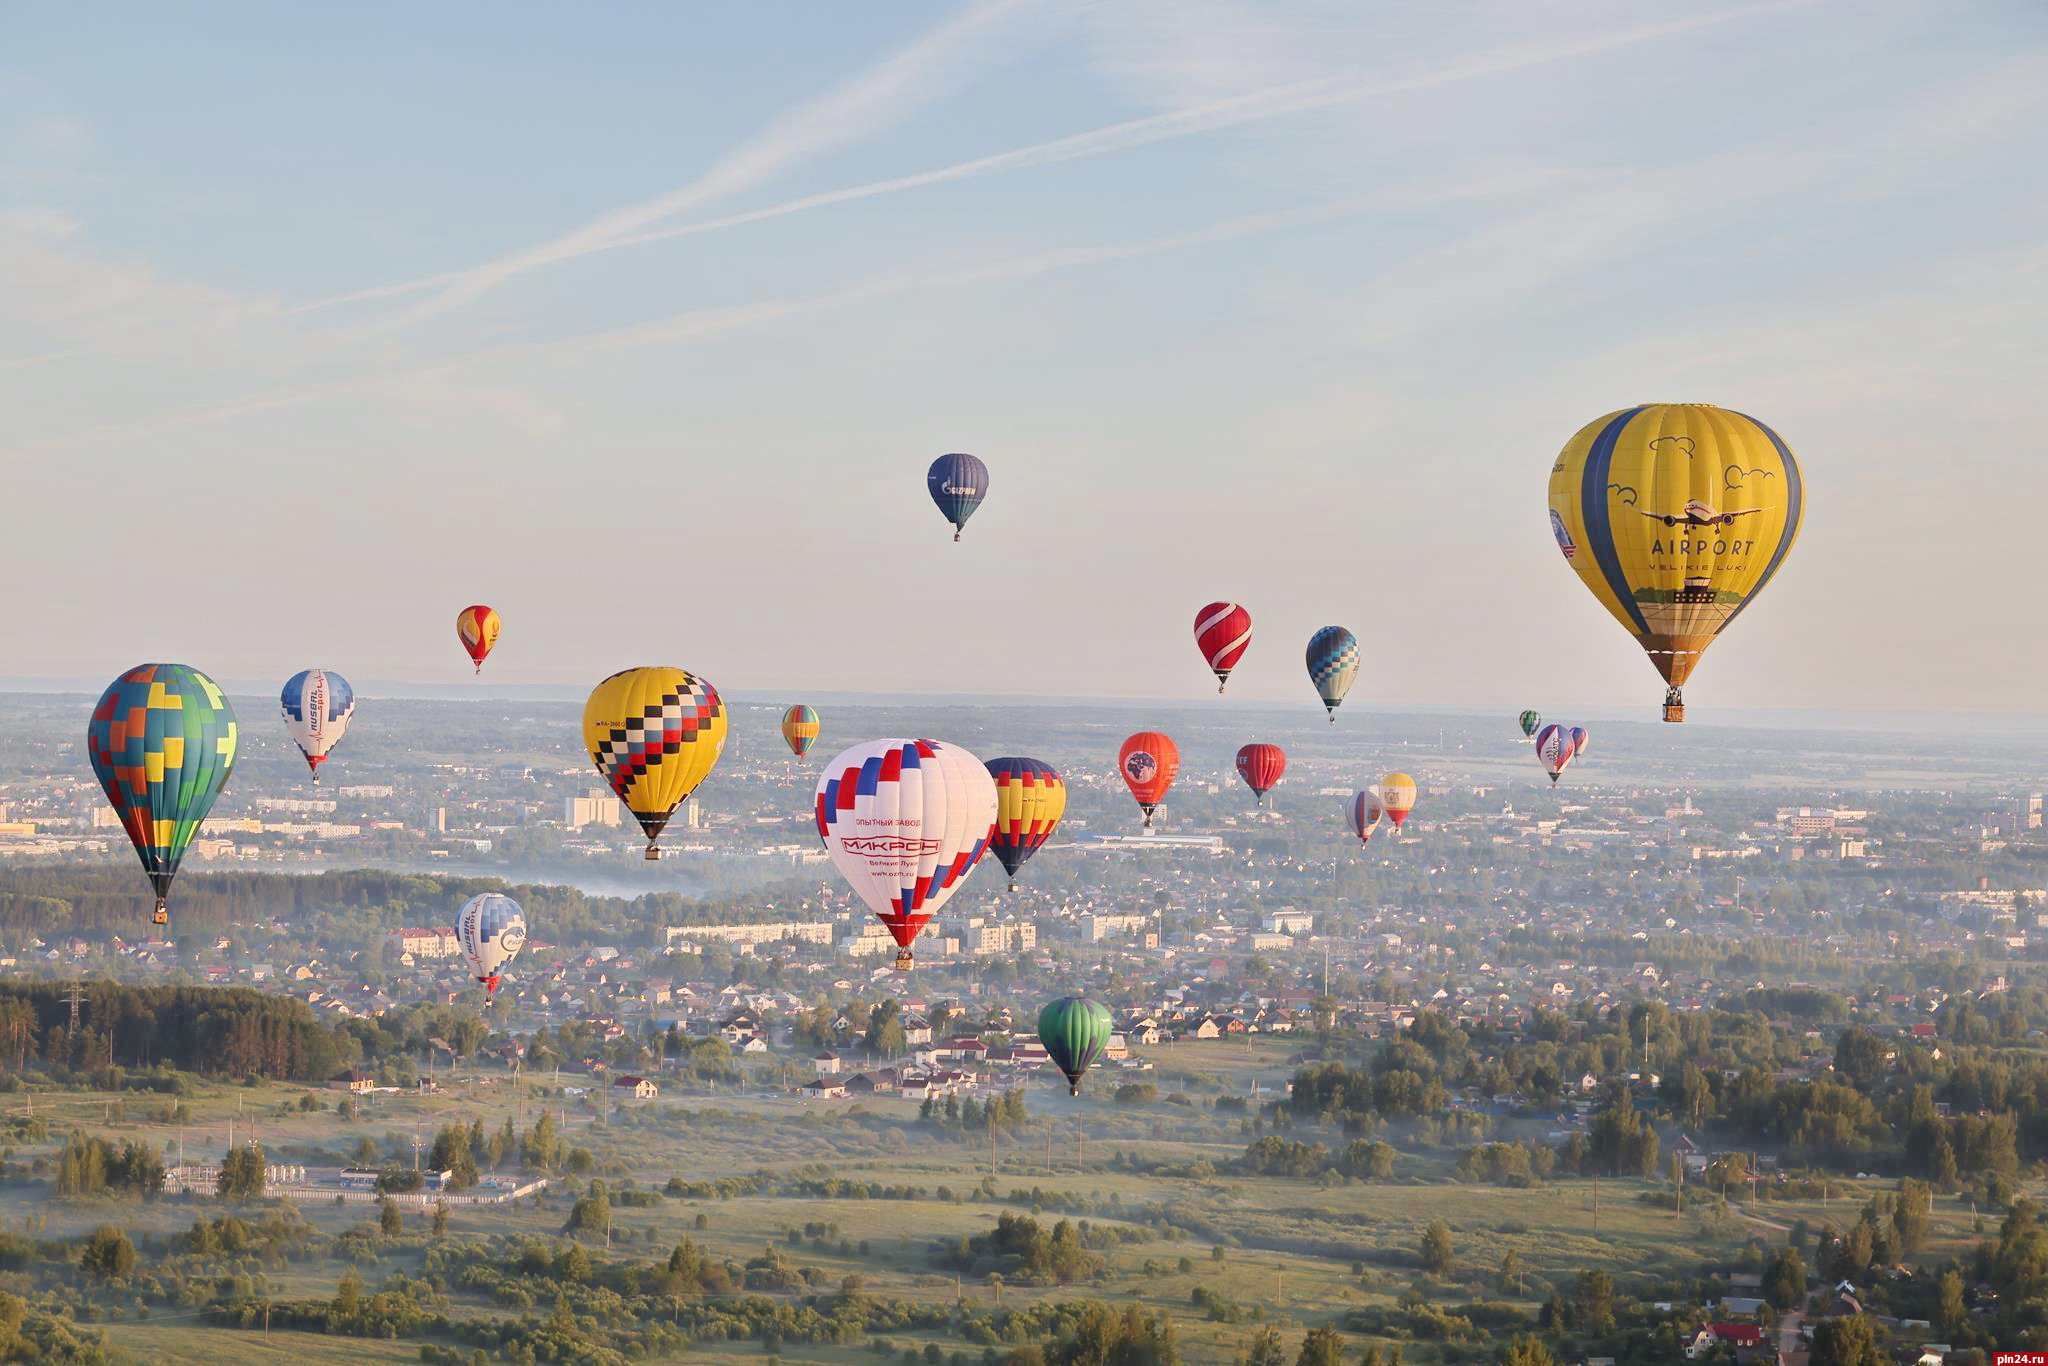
879	97
1274	102
696	324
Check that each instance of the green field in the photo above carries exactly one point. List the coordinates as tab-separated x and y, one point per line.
1300	1252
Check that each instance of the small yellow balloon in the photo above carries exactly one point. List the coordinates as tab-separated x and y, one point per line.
1675	515
654	734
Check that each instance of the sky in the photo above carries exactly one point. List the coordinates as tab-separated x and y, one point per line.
642	324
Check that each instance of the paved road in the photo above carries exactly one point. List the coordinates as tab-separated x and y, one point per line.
1789	1340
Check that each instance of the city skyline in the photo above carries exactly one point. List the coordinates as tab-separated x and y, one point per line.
1199	284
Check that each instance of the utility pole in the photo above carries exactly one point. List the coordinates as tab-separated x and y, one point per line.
415	1151
75	998
1596	1202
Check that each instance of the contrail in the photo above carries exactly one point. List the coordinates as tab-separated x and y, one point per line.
1273	102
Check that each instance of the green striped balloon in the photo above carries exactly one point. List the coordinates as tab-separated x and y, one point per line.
1074	1031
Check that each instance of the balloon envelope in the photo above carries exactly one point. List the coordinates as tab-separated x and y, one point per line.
1580	739
1332	665
957	484
1397	794
477	628
654	733
1261	767
317	704
1030	799
800	727
491	929
162	741
1149	762
1364	812
1675	516
1222	632
905	821
1553	750
1530	720
1074	1031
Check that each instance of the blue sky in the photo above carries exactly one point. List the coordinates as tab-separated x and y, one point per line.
641	324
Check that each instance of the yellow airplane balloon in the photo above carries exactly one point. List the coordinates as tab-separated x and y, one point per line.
654	734
1675	515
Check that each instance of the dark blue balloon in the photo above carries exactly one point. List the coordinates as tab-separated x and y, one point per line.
958	483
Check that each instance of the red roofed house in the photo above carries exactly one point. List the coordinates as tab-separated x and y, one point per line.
1736	1335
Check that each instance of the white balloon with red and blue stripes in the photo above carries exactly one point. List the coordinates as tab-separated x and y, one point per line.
1554	750
317	704
1364	811
905	821
491	929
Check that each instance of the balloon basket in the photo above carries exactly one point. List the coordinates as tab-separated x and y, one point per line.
904	962
162	916
653	853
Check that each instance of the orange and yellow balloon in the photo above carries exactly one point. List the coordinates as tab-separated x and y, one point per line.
654	734
1676	515
477	628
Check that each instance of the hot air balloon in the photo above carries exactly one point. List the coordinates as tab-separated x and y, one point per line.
1149	762
1397	795
1261	766
654	733
317	705
477	629
1030	799
957	484
1222	631
1530	720
1580	739
491	929
905	821
162	740
1364	812
1332	665
800	728
1553	750
1074	1031
1675	515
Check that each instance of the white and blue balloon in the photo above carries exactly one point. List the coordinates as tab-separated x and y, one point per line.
317	704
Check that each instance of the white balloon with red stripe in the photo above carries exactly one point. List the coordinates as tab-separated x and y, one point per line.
1364	811
905	821
1554	749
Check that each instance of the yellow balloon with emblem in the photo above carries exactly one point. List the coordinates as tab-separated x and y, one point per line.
654	734
1676	515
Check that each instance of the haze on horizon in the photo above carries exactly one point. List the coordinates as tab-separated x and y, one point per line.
324	324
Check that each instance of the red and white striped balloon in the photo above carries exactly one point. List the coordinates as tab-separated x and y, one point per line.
1222	631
